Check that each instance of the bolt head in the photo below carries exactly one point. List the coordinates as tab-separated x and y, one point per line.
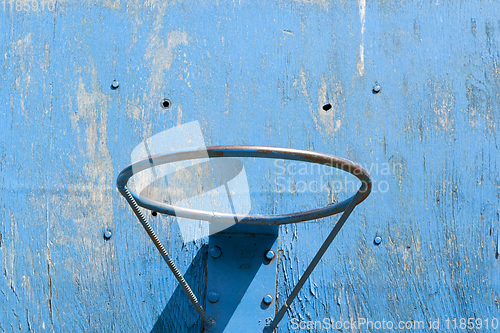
270	255
268	299
107	234
213	297
376	88
115	85
377	240
215	252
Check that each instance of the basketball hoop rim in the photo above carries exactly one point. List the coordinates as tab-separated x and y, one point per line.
246	151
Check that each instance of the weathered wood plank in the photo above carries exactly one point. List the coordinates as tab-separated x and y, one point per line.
259	73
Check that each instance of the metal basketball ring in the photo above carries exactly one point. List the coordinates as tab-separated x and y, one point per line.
246	151
345	206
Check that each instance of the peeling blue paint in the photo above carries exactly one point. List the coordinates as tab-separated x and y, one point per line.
255	73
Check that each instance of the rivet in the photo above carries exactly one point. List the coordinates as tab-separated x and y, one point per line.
115	85
215	252
270	255
376	88
154	213
268	299
213	297
377	240
107	234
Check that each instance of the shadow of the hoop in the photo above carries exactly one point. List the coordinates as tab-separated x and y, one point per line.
179	314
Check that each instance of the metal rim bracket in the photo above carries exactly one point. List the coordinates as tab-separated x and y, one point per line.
264	223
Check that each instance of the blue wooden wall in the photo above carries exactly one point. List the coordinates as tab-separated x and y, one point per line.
256	73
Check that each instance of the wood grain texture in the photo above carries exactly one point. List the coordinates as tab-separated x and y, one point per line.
256	73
